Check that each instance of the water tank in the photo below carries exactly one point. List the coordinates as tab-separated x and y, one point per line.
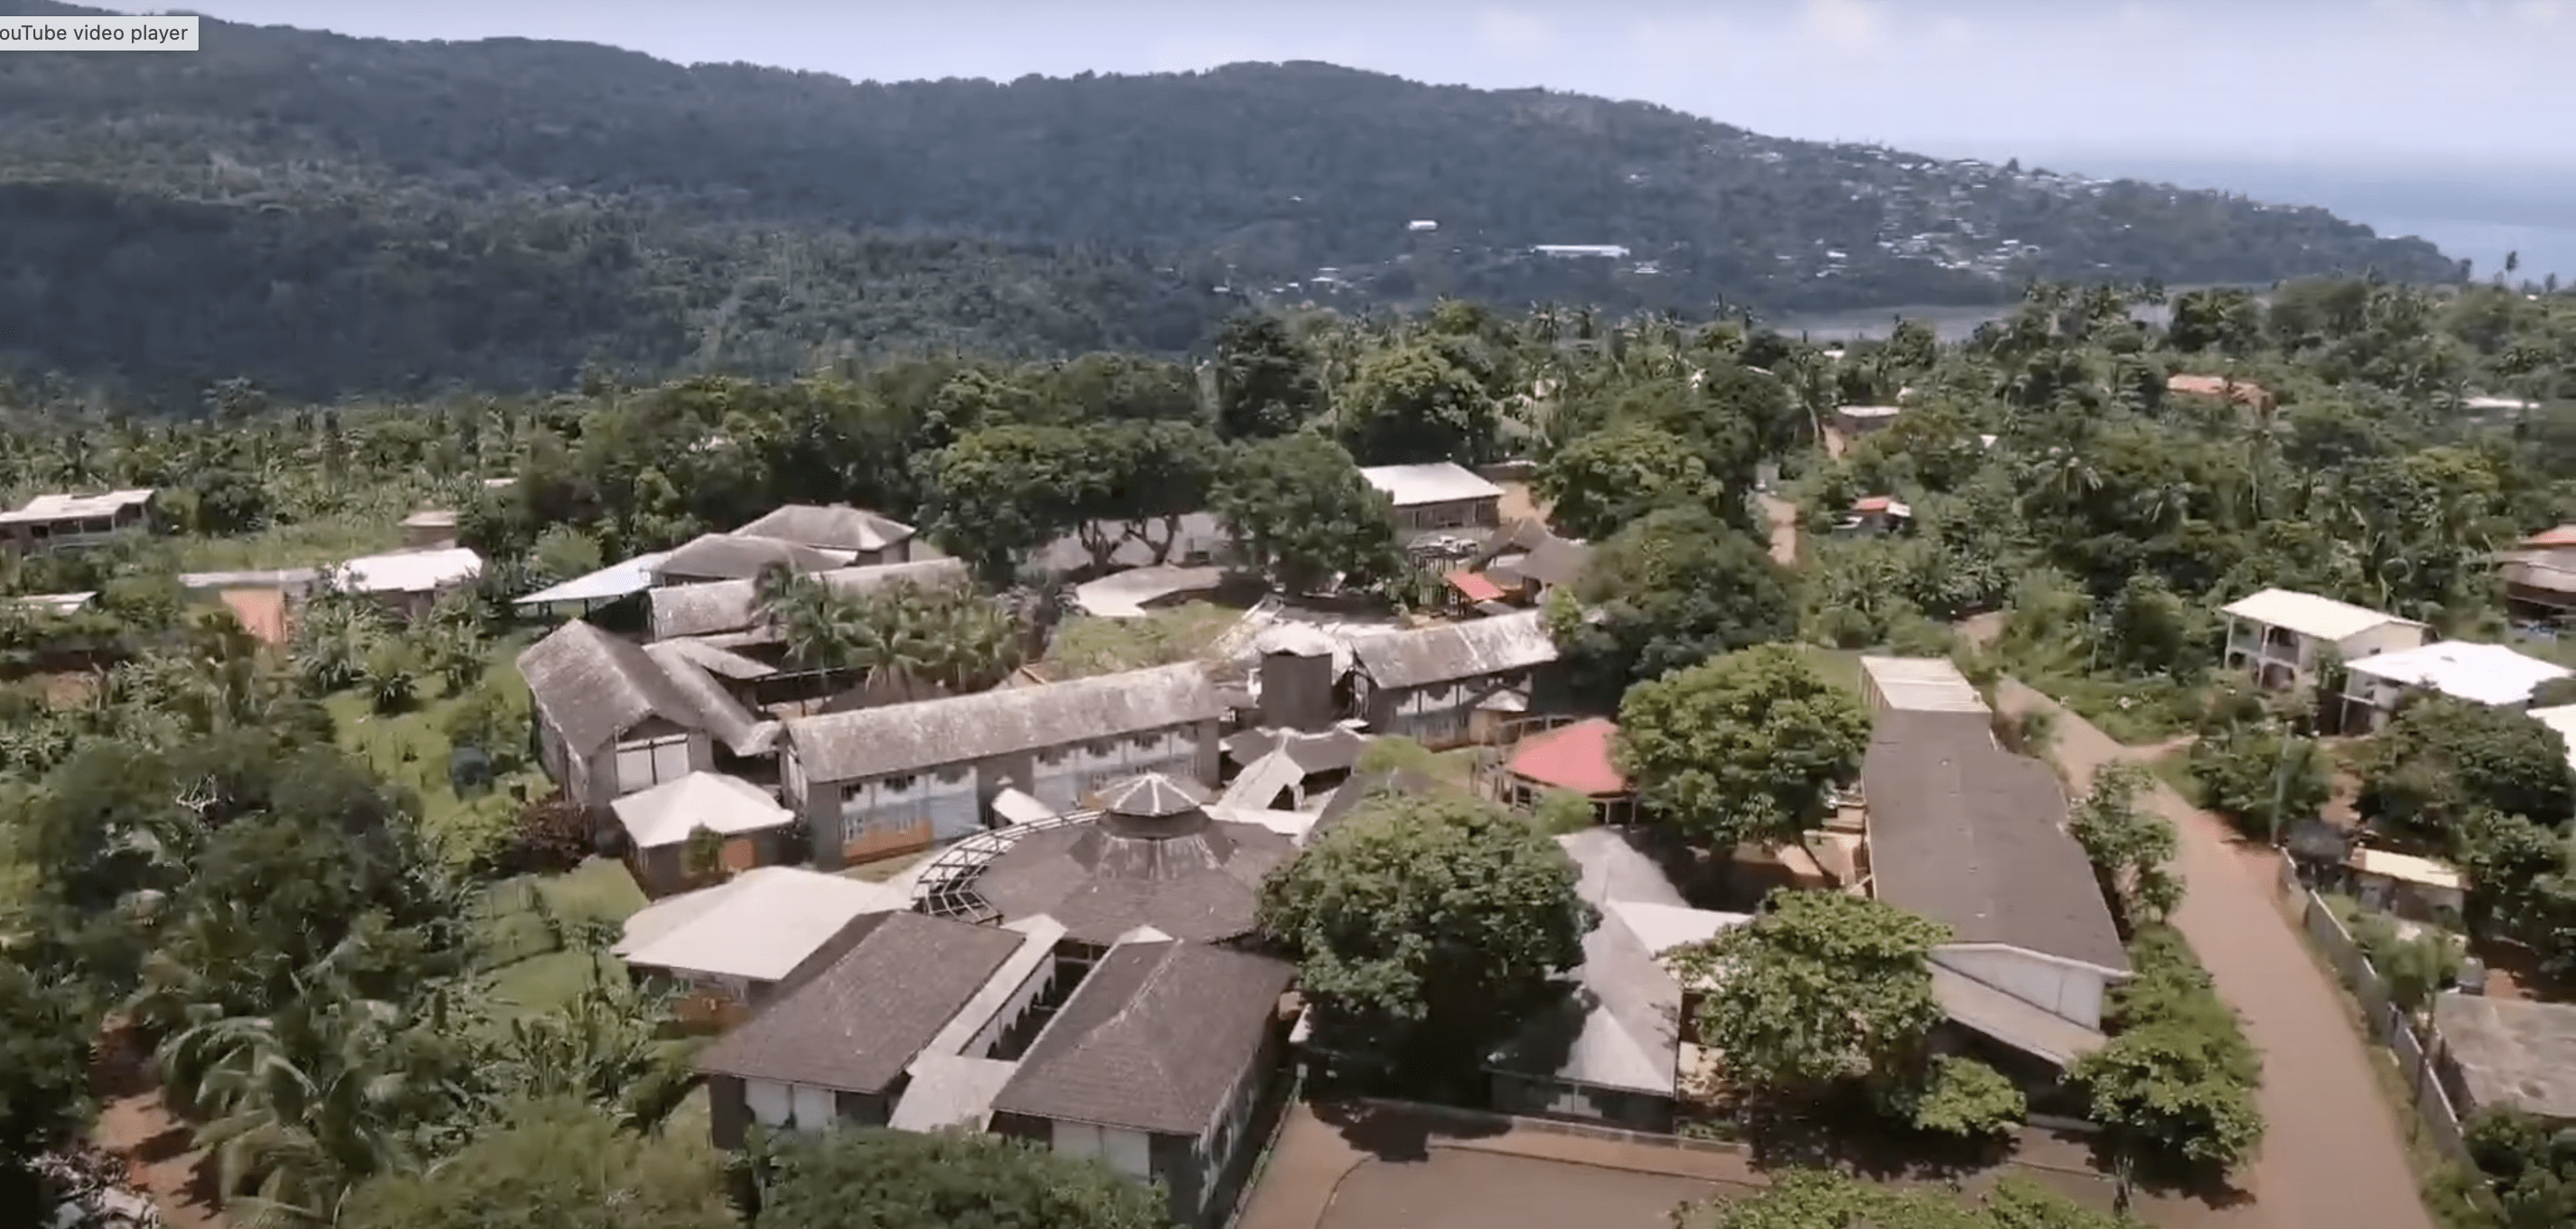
1296	678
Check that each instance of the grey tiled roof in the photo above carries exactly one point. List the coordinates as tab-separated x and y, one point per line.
717	606
832	527
898	738
1972	836
1456	651
858	1023
592	686
1153	1040
1355	792
739	557
719	712
1202	883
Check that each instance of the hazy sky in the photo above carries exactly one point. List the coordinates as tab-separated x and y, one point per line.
2267	80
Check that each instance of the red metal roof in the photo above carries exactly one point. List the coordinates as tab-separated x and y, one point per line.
2564	535
1575	757
1873	503
1476	585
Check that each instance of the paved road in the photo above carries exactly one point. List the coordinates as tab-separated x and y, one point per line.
2334	1155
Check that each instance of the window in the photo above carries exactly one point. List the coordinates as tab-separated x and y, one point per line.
898	785
769	1101
814	1109
650	762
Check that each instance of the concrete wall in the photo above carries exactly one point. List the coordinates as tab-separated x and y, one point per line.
2061	989
734	1105
1440	715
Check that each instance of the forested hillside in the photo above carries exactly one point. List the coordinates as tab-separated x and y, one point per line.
327	214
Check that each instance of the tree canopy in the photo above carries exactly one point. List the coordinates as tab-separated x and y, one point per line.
1744	747
1427	919
879	1178
1823	1200
1820	989
555	1164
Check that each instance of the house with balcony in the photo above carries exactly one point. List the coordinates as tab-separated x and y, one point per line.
2279	635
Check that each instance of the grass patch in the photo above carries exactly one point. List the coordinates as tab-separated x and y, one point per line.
543	916
2174	769
1840	667
304	544
2134	712
1087	645
411	747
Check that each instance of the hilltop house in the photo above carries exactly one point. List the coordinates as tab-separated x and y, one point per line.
880	781
2278	635
72	522
1149	1054
1965	833
1435	497
1449	685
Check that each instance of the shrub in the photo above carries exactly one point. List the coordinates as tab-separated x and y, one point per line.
553	834
1562	811
1968	1099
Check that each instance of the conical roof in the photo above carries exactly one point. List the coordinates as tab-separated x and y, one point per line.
1152	796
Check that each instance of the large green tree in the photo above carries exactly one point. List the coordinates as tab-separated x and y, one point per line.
1298	508
554	1164
1265	378
1672	590
876	1178
2131	849
2441	759
1427	925
1741	748
1598	483
1821	990
2175	1087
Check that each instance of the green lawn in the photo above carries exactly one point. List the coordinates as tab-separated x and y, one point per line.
410	747
599	890
303	545
1840	667
1086	646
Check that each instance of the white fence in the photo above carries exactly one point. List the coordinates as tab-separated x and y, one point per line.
2418	1049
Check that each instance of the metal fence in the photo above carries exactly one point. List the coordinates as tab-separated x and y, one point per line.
2418	1048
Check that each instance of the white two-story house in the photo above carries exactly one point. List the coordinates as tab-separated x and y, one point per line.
2278	635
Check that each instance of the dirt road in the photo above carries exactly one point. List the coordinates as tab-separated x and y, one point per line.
2334	1154
1783	516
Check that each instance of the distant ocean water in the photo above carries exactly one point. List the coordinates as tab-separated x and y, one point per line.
2544	249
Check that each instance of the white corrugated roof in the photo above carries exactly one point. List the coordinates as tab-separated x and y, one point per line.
1923	685
2406	867
1872	411
2485	673
759	925
409	571
55	603
614	581
72	507
2309	615
667	813
1438	483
